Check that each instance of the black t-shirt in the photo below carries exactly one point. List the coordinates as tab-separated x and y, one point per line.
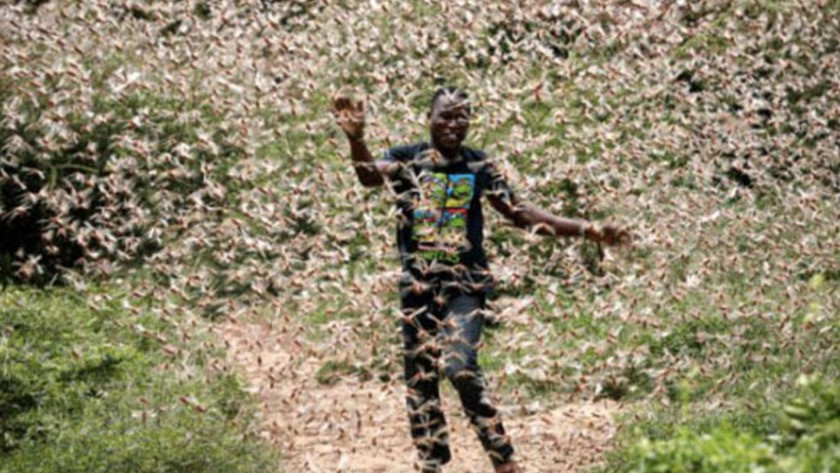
441	228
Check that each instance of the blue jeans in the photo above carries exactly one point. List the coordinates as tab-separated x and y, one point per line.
441	331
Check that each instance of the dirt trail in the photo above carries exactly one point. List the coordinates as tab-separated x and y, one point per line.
356	426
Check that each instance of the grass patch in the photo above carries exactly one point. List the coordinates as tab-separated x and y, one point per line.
109	389
800	435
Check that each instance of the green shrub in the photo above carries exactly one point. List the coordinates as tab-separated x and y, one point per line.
91	174
807	440
721	450
87	390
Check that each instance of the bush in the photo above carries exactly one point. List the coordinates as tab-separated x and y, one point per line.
808	440
91	172
84	389
721	450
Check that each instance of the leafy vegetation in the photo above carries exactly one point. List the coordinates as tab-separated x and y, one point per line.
804	439
95	386
187	149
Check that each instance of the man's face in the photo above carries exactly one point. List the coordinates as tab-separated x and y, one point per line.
450	121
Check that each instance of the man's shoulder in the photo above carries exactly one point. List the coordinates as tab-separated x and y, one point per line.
406	152
474	154
477	160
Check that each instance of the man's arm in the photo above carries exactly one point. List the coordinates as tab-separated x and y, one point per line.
351	118
527	216
369	170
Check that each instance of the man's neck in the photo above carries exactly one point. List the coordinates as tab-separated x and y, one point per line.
448	155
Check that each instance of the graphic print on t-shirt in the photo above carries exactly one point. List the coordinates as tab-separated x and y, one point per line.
440	217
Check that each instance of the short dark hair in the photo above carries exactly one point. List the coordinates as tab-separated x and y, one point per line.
449	91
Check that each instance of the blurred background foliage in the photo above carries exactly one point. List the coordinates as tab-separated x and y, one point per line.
184	153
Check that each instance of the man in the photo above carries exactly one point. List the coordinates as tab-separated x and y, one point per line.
445	272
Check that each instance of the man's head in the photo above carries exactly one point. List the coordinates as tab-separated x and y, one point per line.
449	118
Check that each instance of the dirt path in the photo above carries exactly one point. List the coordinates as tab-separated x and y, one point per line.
356	426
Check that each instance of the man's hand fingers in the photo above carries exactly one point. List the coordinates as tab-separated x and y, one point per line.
340	102
347	116
349	113
627	237
617	235
344	118
610	235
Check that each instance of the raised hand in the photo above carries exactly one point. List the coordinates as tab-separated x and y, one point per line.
349	116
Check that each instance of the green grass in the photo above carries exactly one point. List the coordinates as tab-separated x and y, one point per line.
798	434
723	411
86	389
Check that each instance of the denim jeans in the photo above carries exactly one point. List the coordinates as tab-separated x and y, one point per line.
440	333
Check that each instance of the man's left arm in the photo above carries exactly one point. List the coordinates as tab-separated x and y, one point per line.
527	216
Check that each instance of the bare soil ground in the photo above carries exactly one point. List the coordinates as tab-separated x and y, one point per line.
362	426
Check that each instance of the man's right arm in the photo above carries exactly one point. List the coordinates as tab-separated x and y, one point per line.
370	172
351	118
